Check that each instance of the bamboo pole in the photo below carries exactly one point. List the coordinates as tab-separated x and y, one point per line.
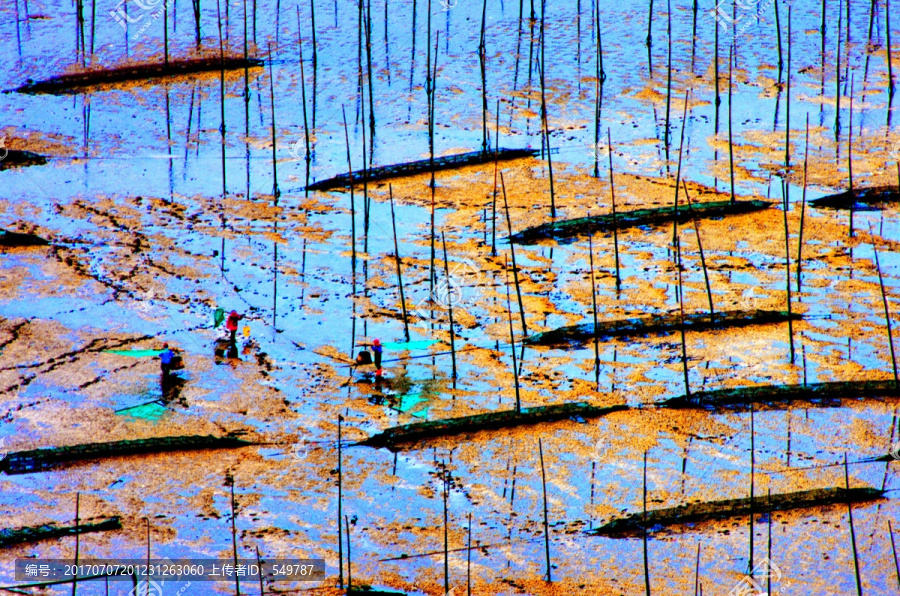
859	590
449	307
494	201
894	552
545	121
446	542
696	223
684	366
262	590
644	526
397	259
340	533
275	192
778	32
594	308
887	311
730	138
752	480
546	524
469	558
512	342
669	76
237	580
837	76
482	58
352	200
850	152
77	539
803	206
887	21
512	250
612	192
303	98
697	572
349	564
678	171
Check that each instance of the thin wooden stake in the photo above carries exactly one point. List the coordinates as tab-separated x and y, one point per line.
469	558
644	526
303	99
494	201
894	552
594	307
887	20
887	311
349	564
262	590
512	250
512	340
669	76
340	533
752	481
803	207
684	366
397	258
697	572
730	138
449	306
446	542
546	524
612	192
546	124
859	590
696	223
352	204
850	151
275	192
77	538
237	580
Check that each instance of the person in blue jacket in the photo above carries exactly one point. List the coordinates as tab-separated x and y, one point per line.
165	361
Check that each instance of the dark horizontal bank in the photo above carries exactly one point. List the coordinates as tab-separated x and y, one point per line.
38	460
12	158
633	525
417	431
74	82
584	226
866	197
816	393
16	239
658	324
11	536
422	166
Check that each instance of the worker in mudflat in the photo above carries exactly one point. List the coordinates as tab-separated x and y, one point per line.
376	353
231	324
165	362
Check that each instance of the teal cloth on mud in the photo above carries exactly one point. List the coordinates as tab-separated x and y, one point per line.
134	353
422	344
218	317
409	401
151	411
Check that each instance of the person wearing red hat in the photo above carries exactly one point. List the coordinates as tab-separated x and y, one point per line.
376	352
231	324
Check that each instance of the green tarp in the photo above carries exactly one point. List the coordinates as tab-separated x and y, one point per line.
422	344
218	317
151	411
135	353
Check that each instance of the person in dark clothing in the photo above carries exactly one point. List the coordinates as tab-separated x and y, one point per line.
165	362
231	324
